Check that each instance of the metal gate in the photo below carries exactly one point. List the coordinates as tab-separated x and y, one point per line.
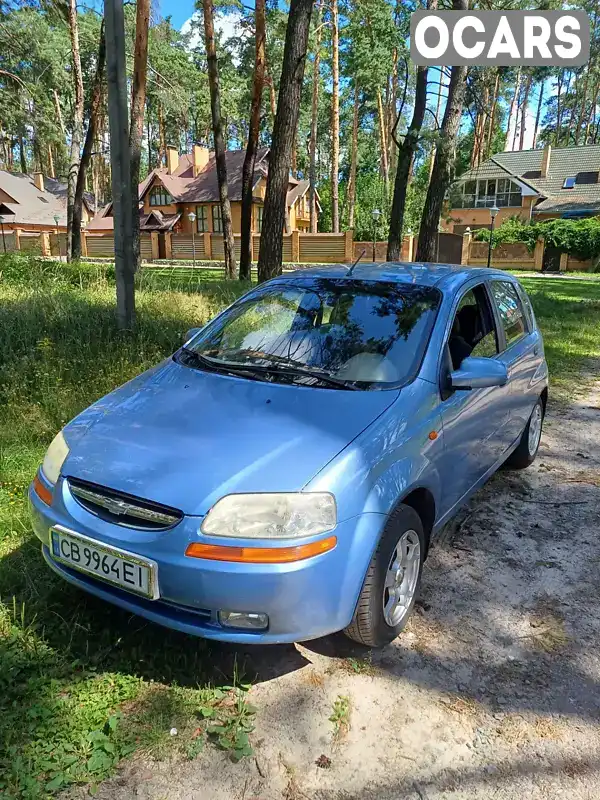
551	260
449	249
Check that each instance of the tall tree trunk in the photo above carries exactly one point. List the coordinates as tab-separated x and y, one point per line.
22	154
335	118
582	106
59	116
437	117
272	97
217	120
88	145
405	157
592	114
314	118
77	132
490	133
538	114
383	144
517	111
253	129
162	137
136	129
559	86
393	108
51	170
524	107
118	118
443	168
512	108
286	122
353	158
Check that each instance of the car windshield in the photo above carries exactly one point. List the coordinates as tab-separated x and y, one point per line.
359	333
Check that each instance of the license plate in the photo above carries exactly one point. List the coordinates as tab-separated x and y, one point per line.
122	569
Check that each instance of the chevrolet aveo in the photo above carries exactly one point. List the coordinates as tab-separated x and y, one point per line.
282	475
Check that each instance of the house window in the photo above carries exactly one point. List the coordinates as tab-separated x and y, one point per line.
259	217
159	196
217	220
569	183
485	193
201	219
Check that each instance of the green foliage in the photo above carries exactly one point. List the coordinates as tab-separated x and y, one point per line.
577	237
82	684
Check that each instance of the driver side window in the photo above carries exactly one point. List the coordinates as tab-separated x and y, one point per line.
473	331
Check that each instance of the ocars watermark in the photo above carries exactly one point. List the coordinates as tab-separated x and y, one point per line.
500	38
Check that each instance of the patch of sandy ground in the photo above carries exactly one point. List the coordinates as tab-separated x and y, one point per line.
492	692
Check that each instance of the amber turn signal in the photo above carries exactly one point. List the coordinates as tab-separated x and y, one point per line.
260	555
42	492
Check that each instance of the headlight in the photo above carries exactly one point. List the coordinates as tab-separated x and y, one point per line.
271	516
55	457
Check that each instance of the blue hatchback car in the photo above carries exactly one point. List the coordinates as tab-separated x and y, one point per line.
281	477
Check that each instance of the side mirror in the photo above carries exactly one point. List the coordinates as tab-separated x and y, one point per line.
190	334
479	373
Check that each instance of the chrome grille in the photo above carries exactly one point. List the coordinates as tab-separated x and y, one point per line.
121	508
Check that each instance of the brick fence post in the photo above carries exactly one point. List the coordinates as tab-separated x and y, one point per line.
17	233
207	246
154	244
538	255
564	260
45	243
295	247
466	247
349	246
168	245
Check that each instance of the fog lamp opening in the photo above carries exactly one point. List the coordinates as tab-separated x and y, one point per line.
244	619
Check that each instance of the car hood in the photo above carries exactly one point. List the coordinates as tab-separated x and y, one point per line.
185	438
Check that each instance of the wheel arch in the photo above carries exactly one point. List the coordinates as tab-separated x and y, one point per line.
422	500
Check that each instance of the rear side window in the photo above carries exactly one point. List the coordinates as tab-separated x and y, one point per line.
528	308
511	311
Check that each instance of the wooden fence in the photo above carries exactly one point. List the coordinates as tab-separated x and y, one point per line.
319	248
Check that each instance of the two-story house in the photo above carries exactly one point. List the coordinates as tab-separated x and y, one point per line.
531	184
188	185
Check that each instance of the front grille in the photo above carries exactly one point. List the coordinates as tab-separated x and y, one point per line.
121	508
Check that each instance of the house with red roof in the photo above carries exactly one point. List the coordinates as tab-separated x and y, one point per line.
188	185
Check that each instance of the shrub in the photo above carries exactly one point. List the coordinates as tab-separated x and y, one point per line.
577	237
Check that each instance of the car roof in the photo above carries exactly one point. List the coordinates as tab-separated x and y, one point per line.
444	276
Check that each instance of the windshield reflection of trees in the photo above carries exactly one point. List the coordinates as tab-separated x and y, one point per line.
325	324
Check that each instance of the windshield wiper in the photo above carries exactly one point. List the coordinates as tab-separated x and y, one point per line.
269	368
210	365
292	372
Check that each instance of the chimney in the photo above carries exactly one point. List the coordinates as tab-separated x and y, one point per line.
545	165
199	158
172	159
38	179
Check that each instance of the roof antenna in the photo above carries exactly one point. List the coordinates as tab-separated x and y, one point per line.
355	263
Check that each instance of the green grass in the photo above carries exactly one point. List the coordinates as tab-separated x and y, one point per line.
568	312
83	684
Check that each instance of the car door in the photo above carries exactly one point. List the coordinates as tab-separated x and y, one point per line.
472	419
522	353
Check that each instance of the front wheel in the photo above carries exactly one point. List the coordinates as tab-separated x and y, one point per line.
392	582
527	449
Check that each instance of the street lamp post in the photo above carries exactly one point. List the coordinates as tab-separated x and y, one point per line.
192	219
493	211
3	239
376	214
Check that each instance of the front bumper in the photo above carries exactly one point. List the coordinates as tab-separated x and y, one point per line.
303	600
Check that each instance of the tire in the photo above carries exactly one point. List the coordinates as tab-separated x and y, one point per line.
527	449
372	624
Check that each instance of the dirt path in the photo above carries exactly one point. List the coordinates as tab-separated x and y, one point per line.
493	692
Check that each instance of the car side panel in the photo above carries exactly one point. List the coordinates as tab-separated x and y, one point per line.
399	452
